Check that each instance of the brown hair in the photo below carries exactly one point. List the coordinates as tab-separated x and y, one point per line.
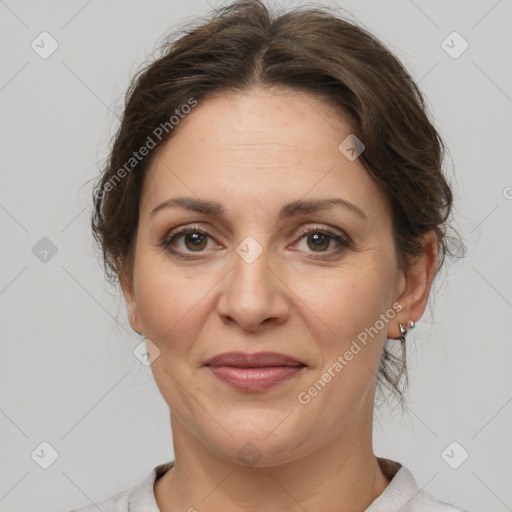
311	50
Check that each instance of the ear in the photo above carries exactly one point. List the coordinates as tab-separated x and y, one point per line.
126	283
413	286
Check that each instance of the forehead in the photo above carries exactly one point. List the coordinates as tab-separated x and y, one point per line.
278	121
261	145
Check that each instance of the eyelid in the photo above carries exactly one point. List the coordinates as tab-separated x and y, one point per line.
185	230
326	229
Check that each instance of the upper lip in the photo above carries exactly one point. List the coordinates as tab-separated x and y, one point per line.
254	360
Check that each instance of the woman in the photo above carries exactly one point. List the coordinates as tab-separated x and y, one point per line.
275	211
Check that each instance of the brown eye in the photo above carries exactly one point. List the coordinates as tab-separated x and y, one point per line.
187	240
318	242
195	241
322	241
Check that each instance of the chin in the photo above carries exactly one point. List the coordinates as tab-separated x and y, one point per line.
261	445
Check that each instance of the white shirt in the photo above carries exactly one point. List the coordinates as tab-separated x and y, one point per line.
401	495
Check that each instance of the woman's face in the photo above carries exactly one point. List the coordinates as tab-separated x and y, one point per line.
270	276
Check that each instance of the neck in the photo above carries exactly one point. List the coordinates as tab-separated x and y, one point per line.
344	471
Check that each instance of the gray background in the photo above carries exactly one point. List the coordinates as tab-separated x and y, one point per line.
67	372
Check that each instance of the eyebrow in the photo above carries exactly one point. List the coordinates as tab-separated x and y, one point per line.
298	207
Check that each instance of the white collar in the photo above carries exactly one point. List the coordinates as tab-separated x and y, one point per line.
401	491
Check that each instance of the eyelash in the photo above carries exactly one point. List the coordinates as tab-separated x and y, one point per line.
343	241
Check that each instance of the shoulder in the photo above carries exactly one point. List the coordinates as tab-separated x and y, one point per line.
140	498
117	503
402	493
424	502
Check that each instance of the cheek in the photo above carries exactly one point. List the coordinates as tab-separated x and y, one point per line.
354	304
171	300
170	306
351	299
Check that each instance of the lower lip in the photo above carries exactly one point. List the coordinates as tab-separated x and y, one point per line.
254	379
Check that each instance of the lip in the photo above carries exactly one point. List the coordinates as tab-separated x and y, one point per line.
254	372
254	360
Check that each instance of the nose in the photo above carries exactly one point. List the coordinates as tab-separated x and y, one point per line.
253	294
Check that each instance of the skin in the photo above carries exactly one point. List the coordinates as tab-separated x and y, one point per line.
252	153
